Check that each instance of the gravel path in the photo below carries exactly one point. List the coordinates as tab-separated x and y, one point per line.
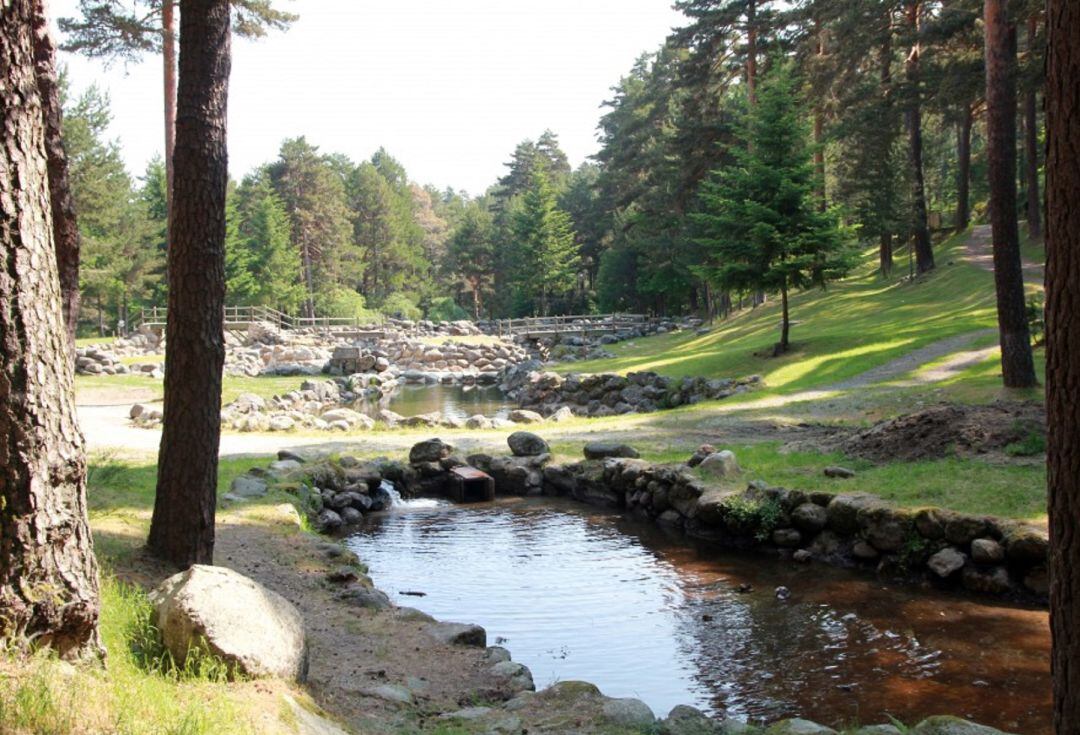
980	252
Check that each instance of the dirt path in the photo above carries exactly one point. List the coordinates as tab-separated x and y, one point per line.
980	252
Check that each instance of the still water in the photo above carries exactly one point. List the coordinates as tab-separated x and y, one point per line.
457	401
577	593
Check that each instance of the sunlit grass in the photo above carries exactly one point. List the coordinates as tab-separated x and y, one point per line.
857	324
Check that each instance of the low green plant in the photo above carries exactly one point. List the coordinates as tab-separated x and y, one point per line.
760	517
1031	445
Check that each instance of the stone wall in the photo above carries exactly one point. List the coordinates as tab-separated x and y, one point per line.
980	554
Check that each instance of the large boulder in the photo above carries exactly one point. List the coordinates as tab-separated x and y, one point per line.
431	450
720	464
952	726
527	444
255	631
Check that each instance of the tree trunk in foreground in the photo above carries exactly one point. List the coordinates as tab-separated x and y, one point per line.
1031	146
65	225
785	323
920	230
168	49
963	174
182	528
1063	354
48	573
1017	365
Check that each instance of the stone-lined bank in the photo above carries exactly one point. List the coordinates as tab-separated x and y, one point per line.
512	704
981	554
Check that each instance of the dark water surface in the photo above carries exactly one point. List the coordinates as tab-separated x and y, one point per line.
577	593
457	401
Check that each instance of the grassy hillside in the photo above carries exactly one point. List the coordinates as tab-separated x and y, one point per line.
857	324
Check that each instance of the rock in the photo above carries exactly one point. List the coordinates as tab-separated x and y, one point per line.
843	511
431	450
366	597
952	726
603	450
699	456
802	556
350	515
329	520
283	466
720	464
887	529
686	720
628	712
285	454
994	581
963	529
458	634
527	444
136	411
878	730
255	631
930	523
513	676
467	714
522	416
247	486
309	723
563	414
1027	546
388	693
862	550
987	551
809	517
496	655
839	472
1038	581
281	423
799	727
786	537
478	422
946	562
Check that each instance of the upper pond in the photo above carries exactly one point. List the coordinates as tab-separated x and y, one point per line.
577	593
452	401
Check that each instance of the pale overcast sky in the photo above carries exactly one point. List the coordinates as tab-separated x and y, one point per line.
449	87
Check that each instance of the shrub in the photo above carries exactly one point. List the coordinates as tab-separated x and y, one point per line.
401	306
445	309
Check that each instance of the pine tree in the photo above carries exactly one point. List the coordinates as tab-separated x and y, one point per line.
759	220
471	253
263	232
544	242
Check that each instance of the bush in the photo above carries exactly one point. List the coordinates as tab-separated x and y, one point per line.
343	302
401	306
445	309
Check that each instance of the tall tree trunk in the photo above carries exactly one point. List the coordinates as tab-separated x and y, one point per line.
182	527
924	254
885	251
1063	354
751	51
1031	145
168	48
785	322
1018	367
65	226
819	123
48	573
963	173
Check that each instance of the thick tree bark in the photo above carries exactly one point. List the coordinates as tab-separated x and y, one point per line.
168	48
1031	145
785	323
48	574
65	225
751	51
1017	365
963	173
885	254
1063	353
920	230
182	528
885	251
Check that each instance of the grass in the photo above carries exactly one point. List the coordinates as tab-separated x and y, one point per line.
857	324
141	690
150	389
87	341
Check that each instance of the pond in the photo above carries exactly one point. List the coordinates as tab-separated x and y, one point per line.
577	593
455	401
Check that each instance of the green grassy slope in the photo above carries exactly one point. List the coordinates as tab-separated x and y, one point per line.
857	324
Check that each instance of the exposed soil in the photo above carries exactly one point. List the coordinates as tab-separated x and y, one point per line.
947	430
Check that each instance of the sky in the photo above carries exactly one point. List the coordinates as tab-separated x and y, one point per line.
448	87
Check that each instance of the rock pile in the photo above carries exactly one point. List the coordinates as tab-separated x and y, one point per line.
608	394
96	360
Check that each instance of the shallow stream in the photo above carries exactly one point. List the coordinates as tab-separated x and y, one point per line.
577	593
455	401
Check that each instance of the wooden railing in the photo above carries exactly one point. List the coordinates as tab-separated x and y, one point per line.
238	317
572	324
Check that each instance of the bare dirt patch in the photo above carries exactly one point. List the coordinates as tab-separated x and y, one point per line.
948	430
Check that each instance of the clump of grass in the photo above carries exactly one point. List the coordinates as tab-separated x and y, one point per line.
1031	445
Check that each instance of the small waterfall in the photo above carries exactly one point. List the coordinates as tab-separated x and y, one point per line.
396	502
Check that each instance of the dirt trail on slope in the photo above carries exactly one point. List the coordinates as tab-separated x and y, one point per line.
980	253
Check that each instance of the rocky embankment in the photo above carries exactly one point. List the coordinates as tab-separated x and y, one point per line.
827	528
610	394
